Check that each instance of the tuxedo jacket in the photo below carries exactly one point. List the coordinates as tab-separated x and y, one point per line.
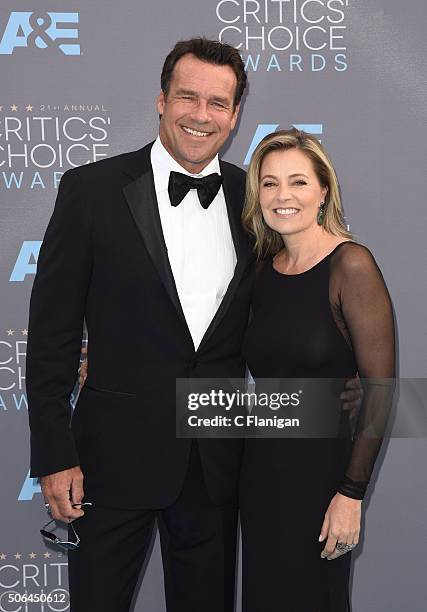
104	261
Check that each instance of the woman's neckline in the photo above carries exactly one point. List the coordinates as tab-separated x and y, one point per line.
312	267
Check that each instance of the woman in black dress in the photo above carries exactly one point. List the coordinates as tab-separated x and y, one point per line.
320	310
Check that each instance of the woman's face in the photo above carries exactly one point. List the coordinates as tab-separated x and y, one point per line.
290	192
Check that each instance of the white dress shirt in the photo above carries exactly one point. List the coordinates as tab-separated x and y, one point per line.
199	242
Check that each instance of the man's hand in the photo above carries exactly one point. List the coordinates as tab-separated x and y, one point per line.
352	396
62	489
83	369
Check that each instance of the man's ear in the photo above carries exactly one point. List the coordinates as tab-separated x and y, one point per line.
235	116
160	103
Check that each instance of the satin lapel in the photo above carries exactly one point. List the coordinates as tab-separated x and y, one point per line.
141	198
234	195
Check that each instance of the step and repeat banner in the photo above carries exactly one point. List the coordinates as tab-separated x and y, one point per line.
79	82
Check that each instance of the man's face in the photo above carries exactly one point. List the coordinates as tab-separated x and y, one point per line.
197	113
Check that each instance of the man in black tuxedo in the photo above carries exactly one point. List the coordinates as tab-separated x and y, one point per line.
152	256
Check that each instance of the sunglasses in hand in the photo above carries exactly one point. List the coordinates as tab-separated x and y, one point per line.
49	536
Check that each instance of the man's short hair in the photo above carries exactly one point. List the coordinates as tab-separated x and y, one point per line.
211	51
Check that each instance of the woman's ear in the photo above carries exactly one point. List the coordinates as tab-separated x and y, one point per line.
324	193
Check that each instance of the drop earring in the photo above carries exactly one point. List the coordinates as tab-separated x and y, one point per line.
321	213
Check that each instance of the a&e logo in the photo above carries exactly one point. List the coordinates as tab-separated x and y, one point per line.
26	262
41	31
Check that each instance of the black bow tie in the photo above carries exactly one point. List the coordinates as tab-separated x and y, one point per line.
180	184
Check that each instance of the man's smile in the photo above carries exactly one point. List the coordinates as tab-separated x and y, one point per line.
194	132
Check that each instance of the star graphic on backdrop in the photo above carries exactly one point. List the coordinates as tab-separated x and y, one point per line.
32	555
29	108
17	556
14	108
2	556
46	555
25	332
10	332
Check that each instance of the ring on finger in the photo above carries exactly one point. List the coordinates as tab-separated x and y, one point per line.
343	548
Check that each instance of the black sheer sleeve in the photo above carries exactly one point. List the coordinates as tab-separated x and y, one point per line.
362	308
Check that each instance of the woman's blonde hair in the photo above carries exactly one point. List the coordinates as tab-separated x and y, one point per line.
268	241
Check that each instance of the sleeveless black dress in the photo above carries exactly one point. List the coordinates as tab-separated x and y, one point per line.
331	321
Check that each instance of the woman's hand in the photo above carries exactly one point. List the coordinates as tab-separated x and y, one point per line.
341	524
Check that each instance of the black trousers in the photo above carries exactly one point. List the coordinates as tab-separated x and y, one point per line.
198	542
